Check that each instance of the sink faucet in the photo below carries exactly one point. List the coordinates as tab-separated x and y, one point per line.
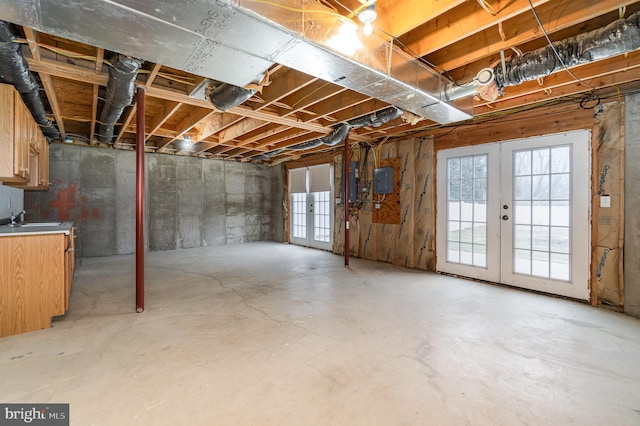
14	217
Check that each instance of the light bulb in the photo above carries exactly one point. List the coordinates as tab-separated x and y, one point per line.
367	29
369	14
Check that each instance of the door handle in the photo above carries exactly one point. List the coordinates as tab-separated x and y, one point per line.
505	217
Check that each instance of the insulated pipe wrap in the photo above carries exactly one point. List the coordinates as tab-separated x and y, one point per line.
616	38
14	70
376	119
120	89
226	96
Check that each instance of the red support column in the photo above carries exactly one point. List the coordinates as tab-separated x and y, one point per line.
140	199
345	178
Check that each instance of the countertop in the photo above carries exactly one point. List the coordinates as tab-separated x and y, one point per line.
63	228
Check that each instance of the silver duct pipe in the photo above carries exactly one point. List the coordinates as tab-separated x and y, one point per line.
619	37
14	70
236	41
226	96
341	131
120	88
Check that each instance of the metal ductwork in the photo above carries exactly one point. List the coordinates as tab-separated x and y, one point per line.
226	96
376	119
120	89
236	41
616	38
14	70
341	131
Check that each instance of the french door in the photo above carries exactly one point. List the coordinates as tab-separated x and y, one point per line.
517	212
311	201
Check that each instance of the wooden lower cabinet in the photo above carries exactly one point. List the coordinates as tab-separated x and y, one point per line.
35	280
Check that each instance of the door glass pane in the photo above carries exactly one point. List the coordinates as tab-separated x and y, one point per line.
299	215
322	216
543	199
467	210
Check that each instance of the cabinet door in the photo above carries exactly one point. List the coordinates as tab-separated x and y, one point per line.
21	139
7	113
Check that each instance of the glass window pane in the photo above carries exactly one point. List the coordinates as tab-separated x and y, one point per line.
560	187
466	232
522	237
522	262
561	159
454	168
466	211
453	252
479	211
466	167
540	161
454	189
480	166
560	213
454	210
540	238
466	254
523	212
522	163
480	189
540	264
560	267
540	213
540	187
479	255
522	188
559	240
467	189
480	233
454	231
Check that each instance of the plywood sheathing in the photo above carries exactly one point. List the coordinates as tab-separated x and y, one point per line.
607	280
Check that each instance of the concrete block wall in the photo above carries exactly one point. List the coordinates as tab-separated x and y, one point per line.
190	202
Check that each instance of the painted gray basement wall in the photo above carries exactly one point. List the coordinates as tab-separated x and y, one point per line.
632	206
190	202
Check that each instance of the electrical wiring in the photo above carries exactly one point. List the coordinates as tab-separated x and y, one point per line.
555	51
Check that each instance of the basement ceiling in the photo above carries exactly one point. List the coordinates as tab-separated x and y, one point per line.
456	39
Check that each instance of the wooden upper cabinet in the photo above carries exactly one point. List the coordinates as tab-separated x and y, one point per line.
24	151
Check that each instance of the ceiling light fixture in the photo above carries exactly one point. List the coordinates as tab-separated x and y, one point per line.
367	16
187	145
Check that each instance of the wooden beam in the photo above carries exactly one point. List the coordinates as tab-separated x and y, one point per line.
169	108
152	75
94	112
72	72
283	84
240	128
49	89
127	121
215	123
32	41
599	74
463	22
47	81
555	16
99	60
188	122
398	17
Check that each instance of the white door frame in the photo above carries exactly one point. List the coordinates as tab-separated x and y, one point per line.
500	244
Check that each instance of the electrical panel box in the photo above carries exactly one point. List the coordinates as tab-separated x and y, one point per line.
383	180
353	181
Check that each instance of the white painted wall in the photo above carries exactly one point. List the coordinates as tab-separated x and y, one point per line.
11	201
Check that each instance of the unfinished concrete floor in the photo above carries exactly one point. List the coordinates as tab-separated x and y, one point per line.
273	334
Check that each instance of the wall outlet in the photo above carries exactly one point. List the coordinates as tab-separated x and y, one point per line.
377	206
605	201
